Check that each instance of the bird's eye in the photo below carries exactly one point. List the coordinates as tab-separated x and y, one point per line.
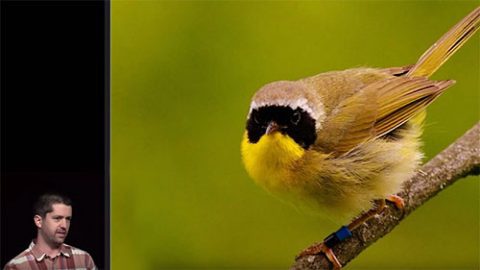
255	119
295	119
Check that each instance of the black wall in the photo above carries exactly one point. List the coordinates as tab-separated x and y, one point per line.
54	119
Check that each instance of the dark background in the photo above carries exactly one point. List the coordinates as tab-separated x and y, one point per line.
54	119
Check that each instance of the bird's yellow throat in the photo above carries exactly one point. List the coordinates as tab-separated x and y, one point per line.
268	160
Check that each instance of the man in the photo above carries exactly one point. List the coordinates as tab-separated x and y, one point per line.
52	216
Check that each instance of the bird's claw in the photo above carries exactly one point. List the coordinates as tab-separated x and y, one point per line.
397	200
322	248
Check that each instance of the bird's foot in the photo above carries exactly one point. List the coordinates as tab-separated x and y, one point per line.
397	200
326	247
322	248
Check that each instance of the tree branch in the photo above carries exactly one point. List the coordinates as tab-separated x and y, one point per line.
460	159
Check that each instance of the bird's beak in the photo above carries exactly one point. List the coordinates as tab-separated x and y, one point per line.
272	127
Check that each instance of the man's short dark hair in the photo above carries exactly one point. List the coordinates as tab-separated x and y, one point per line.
45	202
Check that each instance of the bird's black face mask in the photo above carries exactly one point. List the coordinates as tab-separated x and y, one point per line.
297	124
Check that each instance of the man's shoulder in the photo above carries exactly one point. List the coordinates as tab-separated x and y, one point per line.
81	256
76	251
20	259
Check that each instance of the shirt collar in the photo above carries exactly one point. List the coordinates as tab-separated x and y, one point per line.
40	255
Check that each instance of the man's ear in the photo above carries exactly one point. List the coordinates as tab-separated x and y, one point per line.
38	221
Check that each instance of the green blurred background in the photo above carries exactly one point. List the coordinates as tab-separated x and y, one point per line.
182	77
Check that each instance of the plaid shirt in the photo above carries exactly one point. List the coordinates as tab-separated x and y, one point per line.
69	258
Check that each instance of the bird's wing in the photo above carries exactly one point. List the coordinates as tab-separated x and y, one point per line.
350	123
376	110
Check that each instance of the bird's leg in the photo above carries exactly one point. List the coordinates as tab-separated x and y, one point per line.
380	205
343	233
326	246
346	231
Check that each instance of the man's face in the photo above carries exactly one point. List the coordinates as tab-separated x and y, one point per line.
54	227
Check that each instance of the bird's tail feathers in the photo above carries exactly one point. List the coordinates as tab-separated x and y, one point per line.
446	46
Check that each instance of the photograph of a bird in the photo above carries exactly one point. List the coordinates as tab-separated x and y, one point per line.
341	143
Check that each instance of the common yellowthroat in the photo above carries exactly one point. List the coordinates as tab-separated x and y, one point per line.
341	142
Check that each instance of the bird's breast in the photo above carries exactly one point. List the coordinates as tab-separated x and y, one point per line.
270	161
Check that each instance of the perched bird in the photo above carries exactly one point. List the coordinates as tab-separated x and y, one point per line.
339	143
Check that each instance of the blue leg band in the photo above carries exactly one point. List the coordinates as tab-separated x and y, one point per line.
337	237
343	233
